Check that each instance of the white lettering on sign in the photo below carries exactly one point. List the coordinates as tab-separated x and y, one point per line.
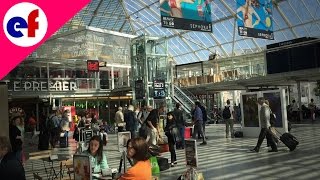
158	85
44	86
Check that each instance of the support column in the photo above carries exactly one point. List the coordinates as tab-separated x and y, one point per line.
299	99
4	120
37	115
112	78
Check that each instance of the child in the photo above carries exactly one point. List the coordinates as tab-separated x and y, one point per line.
171	133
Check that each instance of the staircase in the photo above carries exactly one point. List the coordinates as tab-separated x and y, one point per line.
181	97
186	99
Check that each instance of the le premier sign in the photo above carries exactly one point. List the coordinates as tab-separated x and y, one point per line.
43	86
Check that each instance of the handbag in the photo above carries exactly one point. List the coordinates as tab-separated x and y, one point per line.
155	169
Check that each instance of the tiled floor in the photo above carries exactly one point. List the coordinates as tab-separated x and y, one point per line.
230	159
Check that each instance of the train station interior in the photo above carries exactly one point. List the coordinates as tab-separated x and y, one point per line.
103	72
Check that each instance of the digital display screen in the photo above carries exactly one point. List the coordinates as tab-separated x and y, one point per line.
159	89
93	65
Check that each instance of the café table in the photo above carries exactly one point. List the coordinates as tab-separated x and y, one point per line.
55	158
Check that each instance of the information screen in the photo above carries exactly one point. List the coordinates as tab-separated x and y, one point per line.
159	89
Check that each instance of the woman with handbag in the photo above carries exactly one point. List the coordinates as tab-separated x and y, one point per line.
171	132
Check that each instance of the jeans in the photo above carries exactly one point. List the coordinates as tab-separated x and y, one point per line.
198	128
181	133
172	152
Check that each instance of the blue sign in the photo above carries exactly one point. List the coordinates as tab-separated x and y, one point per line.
192	15
254	18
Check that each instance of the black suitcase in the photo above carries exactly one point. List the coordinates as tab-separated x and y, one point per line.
64	140
43	143
289	140
163	163
238	134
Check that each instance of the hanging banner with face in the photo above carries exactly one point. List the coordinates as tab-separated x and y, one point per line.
254	18
194	15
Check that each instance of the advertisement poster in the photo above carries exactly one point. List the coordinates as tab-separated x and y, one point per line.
123	138
194	15
82	167
254	18
275	106
250	110
191	153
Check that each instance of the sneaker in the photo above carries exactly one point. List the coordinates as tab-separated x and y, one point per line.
203	143
172	164
175	162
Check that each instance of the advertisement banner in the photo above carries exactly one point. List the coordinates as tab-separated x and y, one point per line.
194	15
191	153
250	110
275	104
254	18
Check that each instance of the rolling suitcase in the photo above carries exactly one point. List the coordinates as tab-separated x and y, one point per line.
289	140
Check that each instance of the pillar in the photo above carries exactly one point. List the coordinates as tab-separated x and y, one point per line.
299	99
4	120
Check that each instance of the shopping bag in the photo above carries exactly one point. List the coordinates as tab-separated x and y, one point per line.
155	169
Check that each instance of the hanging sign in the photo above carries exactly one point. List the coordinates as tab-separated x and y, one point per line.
254	19
192	15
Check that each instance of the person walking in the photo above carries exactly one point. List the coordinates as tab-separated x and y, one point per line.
265	127
119	119
171	132
228	116
180	121
153	124
198	121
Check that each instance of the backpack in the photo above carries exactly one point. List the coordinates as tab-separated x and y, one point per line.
273	118
226	114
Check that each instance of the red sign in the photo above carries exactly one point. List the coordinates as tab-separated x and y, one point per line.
93	65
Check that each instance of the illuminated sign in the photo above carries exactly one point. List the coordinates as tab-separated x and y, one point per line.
93	65
159	89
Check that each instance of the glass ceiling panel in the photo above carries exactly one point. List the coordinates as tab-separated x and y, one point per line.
280	23
303	15
180	45
219	10
302	11
289	13
203	54
200	38
188	58
313	29
313	6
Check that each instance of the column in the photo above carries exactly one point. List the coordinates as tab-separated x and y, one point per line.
299	99
4	120
112	78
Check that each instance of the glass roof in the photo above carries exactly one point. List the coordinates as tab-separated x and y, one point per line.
292	19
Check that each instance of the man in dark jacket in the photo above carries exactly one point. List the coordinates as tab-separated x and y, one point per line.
10	166
180	121
205	118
